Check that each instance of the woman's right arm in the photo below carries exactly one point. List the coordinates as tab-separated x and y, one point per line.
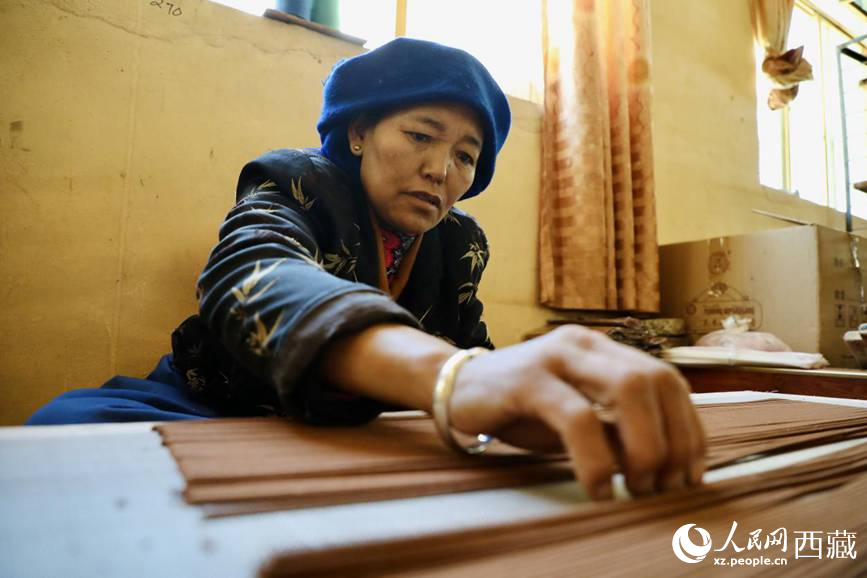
540	395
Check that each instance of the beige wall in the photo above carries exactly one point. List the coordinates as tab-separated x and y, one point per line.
130	127
122	130
509	212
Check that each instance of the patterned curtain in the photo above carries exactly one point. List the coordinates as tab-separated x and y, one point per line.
785	68
598	247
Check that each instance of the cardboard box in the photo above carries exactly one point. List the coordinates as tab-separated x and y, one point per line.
804	284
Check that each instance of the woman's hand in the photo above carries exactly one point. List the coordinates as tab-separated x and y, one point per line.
540	395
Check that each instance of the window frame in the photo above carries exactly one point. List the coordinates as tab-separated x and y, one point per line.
831	194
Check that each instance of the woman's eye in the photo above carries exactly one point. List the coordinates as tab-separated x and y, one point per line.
466	159
418	136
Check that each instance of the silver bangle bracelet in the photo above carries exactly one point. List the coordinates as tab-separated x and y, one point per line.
442	395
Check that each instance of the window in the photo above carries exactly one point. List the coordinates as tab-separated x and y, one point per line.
801	146
505	36
511	49
373	20
250	6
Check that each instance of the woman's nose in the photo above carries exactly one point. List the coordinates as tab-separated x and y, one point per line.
436	166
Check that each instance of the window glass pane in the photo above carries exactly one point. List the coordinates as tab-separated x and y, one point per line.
806	117
510	47
252	6
855	96
373	20
770	125
831	38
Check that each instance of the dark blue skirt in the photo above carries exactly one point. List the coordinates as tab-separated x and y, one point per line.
161	396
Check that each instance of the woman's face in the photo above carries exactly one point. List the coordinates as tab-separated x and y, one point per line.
417	162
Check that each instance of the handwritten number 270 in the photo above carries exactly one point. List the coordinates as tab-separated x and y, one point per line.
171	8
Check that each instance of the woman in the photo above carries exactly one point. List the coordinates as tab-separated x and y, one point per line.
344	282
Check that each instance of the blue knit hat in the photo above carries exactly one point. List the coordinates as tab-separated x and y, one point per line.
407	72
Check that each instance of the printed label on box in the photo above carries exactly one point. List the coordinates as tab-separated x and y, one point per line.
707	311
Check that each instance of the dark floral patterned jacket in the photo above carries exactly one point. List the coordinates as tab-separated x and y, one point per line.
297	265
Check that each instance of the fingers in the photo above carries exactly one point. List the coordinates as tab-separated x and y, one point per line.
685	436
663	443
642	430
698	450
683	432
571	415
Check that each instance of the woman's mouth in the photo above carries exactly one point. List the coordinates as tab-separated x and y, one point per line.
428	198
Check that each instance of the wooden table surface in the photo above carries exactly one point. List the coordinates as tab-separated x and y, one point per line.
843	383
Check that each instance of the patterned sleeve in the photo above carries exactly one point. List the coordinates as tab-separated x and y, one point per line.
267	298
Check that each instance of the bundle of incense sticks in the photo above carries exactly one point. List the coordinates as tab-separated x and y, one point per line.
241	466
820	497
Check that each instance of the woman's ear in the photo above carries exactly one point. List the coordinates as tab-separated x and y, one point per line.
355	136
